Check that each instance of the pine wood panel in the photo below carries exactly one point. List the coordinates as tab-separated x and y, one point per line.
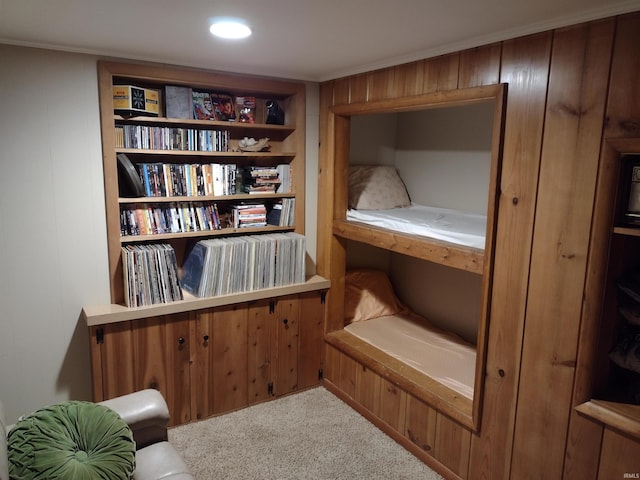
310	353
229	358
358	89
288	328
393	405
480	66
118	376
177	349
574	121
525	68
441	73
367	388
381	84
463	258
623	109
420	424
620	456
202	386
151	363
409	79
452	445
261	342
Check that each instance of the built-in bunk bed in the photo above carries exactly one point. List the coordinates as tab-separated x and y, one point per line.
411	215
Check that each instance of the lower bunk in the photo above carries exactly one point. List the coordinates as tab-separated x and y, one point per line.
386	337
437	439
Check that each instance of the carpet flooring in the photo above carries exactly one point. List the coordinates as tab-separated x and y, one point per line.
311	435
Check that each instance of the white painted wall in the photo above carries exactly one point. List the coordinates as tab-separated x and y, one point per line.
53	249
52	221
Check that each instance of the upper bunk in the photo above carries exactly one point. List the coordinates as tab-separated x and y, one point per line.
449	216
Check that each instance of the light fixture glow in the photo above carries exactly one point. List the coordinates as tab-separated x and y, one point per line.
229	28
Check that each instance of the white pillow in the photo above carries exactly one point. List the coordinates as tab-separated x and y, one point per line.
376	187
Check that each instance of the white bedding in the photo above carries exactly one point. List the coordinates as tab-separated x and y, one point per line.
449	225
411	339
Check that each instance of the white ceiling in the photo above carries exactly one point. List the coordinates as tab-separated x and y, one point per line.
312	40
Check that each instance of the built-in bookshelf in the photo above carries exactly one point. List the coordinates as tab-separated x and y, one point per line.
174	177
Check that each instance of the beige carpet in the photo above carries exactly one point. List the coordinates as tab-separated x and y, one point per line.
311	435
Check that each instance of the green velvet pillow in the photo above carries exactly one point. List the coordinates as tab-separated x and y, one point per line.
71	440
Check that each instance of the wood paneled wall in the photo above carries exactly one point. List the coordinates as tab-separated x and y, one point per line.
568	90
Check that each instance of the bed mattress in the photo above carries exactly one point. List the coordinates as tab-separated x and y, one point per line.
449	225
441	355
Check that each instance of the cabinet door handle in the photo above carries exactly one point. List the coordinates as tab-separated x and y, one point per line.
286	323
205	338
181	341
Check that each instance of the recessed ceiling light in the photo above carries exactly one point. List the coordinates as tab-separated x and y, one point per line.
229	28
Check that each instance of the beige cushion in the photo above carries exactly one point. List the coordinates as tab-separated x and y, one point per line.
369	294
376	187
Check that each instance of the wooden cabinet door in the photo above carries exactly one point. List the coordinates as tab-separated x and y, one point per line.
288	323
261	349
148	353
311	341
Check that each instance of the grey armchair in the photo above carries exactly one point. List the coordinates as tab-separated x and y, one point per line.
147	415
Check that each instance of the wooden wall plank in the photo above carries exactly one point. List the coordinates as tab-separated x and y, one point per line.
480	66
441	73
525	68
623	111
229	358
452	445
409	79
288	332
367	388
118	356
393	405
177	346
620	456
310	354
381	84
420	424
568	172
261	338
202	379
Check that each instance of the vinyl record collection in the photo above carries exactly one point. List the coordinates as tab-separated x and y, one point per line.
150	275
222	266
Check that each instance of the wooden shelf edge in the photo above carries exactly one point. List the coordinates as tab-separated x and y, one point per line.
421	386
113	313
463	258
620	416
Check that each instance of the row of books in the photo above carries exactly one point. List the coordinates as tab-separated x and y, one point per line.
265	179
183	217
171	138
229	265
187	180
249	215
150	275
148	219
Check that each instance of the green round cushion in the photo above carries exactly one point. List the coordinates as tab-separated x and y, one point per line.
71	440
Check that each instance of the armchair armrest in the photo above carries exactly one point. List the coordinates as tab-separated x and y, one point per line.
147	414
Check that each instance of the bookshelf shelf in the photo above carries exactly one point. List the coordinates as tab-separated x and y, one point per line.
207	198
127	239
114	313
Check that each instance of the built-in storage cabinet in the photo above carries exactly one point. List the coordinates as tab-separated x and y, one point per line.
214	360
206	354
615	382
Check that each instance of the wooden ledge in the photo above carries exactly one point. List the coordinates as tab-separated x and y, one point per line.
421	386
620	416
112	313
463	258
